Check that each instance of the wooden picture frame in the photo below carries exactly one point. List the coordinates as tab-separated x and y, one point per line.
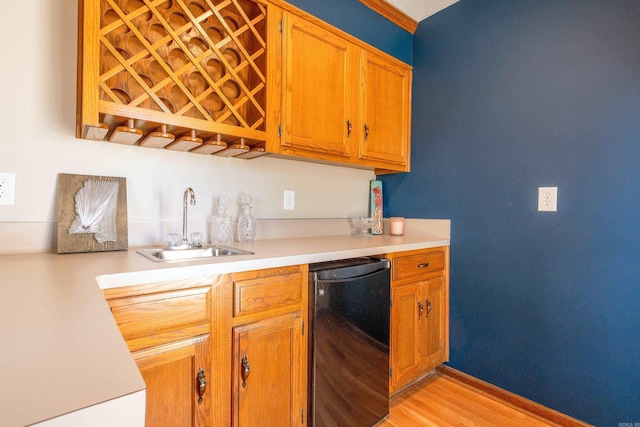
76	190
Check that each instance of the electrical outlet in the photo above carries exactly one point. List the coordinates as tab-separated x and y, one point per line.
7	188
289	200
548	199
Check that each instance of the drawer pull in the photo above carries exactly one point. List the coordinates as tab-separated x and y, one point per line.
428	307
423	265
366	132
245	370
202	385
349	128
420	309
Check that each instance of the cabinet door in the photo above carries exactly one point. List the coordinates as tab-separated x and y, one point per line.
405	333
320	76
386	117
435	301
269	372
176	376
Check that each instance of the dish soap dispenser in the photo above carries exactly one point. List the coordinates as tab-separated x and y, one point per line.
246	222
220	226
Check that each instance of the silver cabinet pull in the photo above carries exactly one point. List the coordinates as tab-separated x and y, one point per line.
366	132
349	128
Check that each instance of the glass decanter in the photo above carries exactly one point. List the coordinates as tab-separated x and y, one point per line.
246	222
220	226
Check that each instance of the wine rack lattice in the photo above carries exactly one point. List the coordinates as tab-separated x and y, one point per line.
199	59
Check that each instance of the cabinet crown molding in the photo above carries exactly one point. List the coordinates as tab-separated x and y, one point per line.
393	14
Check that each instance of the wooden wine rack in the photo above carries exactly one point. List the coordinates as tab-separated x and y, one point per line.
182	67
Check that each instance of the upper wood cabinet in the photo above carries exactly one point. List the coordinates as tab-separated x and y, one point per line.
319	91
253	76
149	72
385	113
342	101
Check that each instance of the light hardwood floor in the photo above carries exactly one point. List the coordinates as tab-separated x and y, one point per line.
441	401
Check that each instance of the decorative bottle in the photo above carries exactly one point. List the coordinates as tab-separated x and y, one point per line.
220	227
246	222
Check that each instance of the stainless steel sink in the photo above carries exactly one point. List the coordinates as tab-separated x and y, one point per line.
160	255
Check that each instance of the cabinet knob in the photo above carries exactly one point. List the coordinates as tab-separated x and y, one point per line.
366	132
420	309
245	370
428	307
202	385
349	128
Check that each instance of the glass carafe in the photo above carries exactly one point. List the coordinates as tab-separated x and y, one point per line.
246	222
220	231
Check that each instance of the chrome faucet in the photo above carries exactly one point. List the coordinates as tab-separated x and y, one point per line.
188	195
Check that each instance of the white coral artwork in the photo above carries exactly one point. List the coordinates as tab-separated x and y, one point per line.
96	205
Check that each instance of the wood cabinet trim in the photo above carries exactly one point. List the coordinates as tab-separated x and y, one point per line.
362	44
170	352
393	14
113	294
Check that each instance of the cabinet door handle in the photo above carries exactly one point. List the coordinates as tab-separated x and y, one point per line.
349	128
423	265
202	385
366	132
428	307
245	370
420	309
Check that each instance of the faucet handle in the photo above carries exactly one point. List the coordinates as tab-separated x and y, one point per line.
196	239
173	240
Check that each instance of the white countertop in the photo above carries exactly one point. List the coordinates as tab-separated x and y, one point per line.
61	349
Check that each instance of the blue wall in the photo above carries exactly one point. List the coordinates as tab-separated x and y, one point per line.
510	96
354	18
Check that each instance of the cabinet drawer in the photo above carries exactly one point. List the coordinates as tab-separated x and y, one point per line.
156	318
417	265
268	293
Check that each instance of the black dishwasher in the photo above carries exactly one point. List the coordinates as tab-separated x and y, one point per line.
349	304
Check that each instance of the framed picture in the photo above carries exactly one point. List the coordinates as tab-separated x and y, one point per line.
375	208
92	214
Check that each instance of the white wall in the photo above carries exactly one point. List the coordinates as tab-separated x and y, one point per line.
37	120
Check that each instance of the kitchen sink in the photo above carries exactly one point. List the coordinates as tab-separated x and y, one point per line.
160	255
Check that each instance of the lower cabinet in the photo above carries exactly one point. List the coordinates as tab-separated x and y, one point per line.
228	350
419	314
406	334
168	333
176	379
267	377
269	369
231	349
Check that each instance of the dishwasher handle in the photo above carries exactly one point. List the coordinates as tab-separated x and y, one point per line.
316	278
347	272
